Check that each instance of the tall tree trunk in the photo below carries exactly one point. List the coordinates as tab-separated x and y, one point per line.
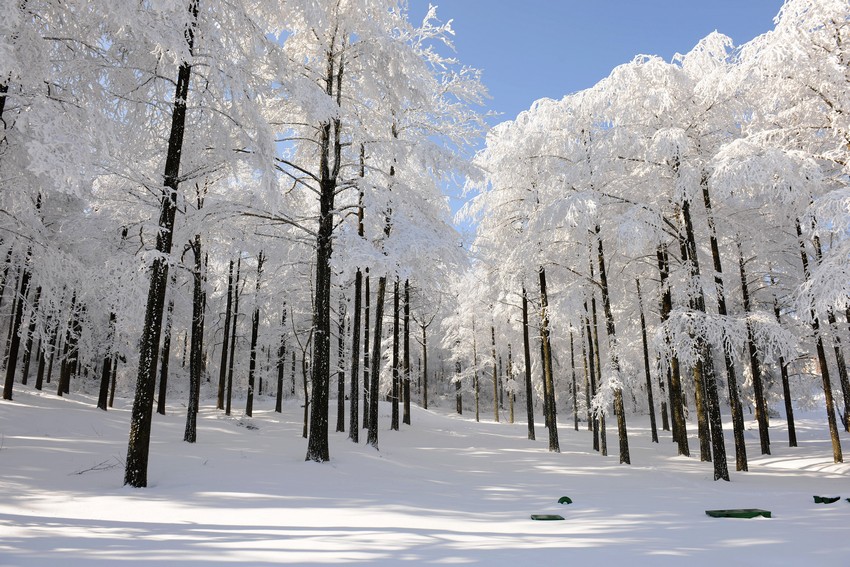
718	443
622	432
405	366
677	413
235	319
225	341
69	351
136	464
829	401
281	362
755	365
165	353
395	384
573	367
458	395
354	396
30	335
593	419
495	376
255	326
529	399
603	431
367	385
15	334
649	396
554	445
106	370
424	367
731	373
196	348
475	385
786	386
372	435
340	382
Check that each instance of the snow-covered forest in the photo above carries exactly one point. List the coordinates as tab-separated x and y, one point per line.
228	203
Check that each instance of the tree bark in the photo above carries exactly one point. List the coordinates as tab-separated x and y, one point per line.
229	389
281	362
554	445
354	396
165	352
495	376
136	464
340	382
196	348
14	337
225	342
30	336
255	326
106	370
649	396
367	385
786	386
529	400
405	365
372	436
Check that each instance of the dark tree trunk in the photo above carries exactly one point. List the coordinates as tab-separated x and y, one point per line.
677	413
458	395
573	367
340	390
113	378
196	348
529	400
30	336
14	337
622	432
495	376
304	377
593	419
69	352
649	396
233	323
255	327
786	387
106	370
395	384
136	464
731	373
475	384
406	356
281	362
165	354
547	362
755	364
367	385
354	396
372	436
603	431
424	367
225	341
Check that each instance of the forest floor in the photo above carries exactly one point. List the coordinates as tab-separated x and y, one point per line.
446	490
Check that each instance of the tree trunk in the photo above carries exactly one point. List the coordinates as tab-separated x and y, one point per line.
649	396
677	413
372	436
233	323
731	373
593	419
458	395
106	370
30	336
495	376
165	353
396	379
475	385
367	385
340	382
406	356
354	396
225	341
547	362
755	365
574	389
281	362
529	400
786	386
255	326
622	432
136	464
15	337
424	367
196	348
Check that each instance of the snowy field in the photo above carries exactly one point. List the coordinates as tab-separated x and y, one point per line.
445	491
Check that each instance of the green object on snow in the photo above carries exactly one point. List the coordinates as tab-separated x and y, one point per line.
739	513
565	500
827	499
546	517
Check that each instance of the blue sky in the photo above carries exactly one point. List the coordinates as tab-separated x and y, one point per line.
530	49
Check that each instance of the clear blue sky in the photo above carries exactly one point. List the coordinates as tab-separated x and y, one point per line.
530	49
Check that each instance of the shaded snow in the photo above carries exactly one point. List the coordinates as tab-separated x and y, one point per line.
444	491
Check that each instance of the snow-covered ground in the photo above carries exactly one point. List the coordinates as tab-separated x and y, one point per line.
446	490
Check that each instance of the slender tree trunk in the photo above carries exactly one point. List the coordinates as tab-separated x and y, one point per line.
106	370
395	385
603	431
354	417
281	362
680	434
529	399
755	365
424	367
190	434
593	419
340	382
304	379
136	464
367	385
622	432
475	385
225	342
255	326
15	337
458	396
165	353
495	376
372	436
113	378
574	389
406	356
649	396
786	386
30	335
230	362
554	445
